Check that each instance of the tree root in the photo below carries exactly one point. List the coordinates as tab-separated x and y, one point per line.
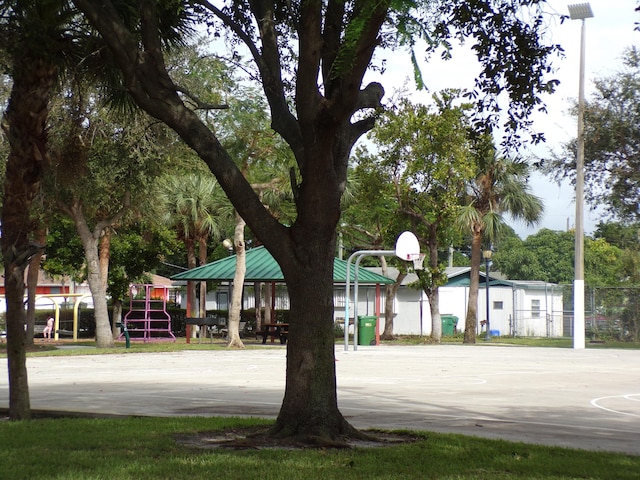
255	438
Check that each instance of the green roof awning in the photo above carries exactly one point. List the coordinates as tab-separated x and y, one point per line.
262	267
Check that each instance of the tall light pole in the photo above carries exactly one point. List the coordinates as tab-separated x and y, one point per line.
486	254
579	11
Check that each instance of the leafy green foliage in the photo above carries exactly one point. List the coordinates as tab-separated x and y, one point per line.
63	253
97	155
612	143
622	235
418	175
192	205
500	187
549	256
135	253
507	38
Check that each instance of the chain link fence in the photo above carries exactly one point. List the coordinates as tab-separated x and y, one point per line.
610	312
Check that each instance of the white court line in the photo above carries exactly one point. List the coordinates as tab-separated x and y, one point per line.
628	396
421	381
426	416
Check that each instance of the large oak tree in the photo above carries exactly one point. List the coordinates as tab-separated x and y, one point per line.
311	58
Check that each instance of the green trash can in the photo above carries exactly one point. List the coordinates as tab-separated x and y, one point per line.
449	323
366	330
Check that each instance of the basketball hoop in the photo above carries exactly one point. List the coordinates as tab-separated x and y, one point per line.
408	249
418	259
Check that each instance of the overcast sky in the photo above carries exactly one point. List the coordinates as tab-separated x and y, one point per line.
608	33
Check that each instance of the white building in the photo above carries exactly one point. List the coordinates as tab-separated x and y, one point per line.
521	308
516	307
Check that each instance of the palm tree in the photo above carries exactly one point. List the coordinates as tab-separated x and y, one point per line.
194	205
32	40
40	41
501	186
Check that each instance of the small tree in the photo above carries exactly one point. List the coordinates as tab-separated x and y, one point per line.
193	206
100	160
425	153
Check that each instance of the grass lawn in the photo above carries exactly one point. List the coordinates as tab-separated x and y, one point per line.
87	347
562	342
146	448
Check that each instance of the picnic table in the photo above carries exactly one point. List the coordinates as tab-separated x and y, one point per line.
274	330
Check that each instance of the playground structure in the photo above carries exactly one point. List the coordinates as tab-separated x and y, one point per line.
147	319
56	300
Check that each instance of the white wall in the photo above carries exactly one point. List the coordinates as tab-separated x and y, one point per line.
413	314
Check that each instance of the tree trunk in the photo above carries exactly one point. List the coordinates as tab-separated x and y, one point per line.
19	403
202	258
104	253
96	277
24	122
268	302
390	295
192	304
471	320
117	317
257	293
436	320
434	294
32	285
235	306
310	407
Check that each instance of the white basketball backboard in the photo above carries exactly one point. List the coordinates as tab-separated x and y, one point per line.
407	246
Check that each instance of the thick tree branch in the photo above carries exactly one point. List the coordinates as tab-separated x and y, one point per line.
102	225
308	97
369	97
269	65
333	27
22	257
151	87
198	103
343	88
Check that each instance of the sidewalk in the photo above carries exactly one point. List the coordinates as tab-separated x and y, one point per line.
588	399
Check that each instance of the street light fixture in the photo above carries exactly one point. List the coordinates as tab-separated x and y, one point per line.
228	244
579	11
486	254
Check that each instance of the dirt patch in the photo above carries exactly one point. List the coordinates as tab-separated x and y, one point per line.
255	438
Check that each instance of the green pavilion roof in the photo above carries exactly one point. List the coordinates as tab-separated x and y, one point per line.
262	267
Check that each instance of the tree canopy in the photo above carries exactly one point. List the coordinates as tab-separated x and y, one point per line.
611	143
417	178
548	256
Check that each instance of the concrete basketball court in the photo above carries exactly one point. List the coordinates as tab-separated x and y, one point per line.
587	399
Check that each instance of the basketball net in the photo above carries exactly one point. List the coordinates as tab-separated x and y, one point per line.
417	259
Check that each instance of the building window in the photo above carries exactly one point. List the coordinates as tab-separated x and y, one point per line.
535	308
498	305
